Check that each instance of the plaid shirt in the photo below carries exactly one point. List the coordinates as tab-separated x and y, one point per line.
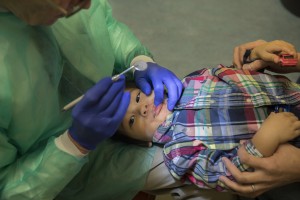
219	108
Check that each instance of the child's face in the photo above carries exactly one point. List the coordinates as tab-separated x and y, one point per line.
142	117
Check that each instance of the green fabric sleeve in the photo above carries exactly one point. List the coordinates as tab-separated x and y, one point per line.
36	175
125	44
96	44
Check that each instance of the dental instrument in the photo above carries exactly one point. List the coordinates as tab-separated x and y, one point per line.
140	66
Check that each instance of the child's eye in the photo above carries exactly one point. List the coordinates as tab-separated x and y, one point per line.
137	98
131	121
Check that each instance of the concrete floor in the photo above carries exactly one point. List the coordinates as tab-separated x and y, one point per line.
185	35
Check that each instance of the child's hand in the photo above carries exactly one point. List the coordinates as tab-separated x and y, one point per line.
278	128
271	51
283	126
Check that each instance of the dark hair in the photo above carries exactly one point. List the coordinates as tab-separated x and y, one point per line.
119	136
130	84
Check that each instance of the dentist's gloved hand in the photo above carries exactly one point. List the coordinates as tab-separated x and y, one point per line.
99	114
156	77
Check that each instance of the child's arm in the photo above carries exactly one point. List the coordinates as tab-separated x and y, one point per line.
278	128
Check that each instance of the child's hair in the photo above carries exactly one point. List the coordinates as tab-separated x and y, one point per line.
130	84
119	136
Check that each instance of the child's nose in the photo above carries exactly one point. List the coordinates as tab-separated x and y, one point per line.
144	110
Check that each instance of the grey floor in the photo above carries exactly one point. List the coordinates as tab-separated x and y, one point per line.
185	35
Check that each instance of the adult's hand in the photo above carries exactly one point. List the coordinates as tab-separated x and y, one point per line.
239	52
156	77
280	169
266	55
270	51
99	114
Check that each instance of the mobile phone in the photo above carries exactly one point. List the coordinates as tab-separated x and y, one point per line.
288	60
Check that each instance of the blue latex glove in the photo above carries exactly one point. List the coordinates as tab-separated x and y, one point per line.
156	77
99	114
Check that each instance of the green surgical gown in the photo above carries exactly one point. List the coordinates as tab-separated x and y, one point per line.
43	68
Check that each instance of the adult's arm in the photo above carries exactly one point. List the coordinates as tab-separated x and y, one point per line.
109	48
128	49
126	46
98	45
41	174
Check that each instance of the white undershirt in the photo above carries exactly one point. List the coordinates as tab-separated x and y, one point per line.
64	143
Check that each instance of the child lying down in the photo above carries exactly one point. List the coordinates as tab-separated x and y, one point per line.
220	109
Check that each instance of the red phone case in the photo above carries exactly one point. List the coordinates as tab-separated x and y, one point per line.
288	60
